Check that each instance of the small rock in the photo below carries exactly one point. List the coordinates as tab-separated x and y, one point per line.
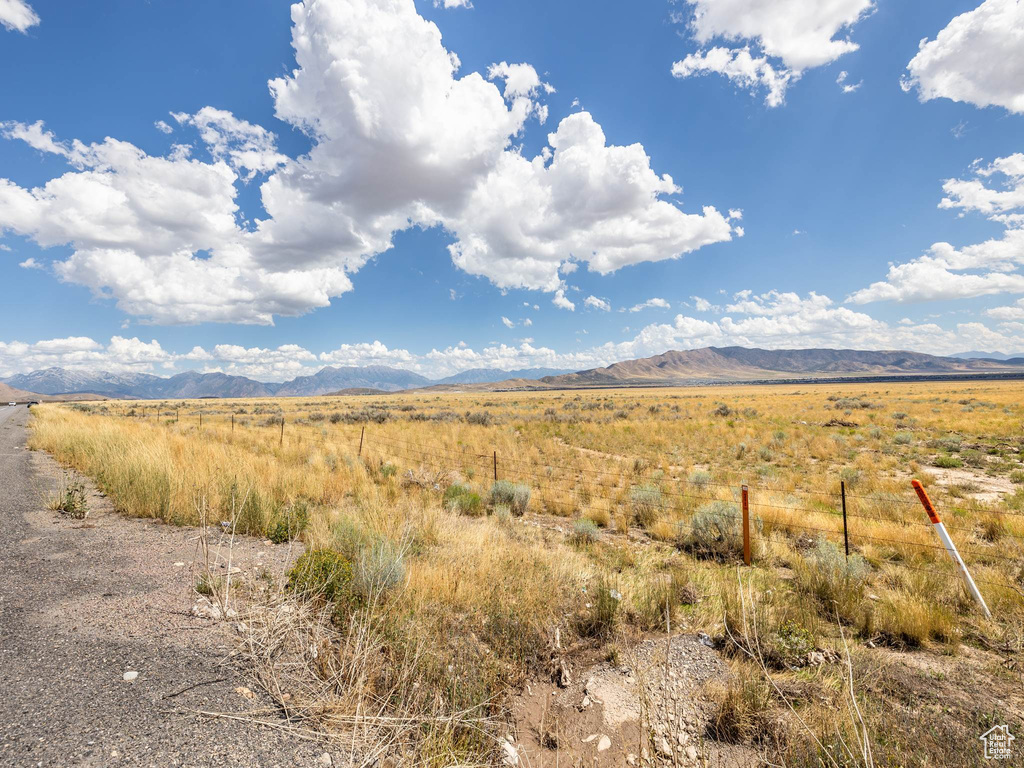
586	702
604	743
691	753
326	759
245	692
590	738
630	759
231	572
130	675
204	609
179	564
682	737
815	658
664	747
706	639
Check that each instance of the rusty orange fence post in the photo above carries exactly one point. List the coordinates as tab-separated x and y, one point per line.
746	527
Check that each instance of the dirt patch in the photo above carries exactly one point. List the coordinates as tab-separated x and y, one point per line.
983	487
646	709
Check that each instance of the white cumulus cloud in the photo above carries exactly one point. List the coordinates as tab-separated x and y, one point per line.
400	138
770	43
978	58
649	304
17	16
981	269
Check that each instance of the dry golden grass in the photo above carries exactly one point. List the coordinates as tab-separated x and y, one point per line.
482	598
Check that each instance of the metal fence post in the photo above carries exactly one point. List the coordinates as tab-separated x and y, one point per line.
846	532
746	527
495	466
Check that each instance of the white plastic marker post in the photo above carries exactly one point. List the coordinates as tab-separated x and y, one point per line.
947	542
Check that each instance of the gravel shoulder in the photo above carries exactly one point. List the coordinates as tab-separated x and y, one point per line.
82	602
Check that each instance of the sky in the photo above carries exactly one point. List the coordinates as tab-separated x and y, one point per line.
264	189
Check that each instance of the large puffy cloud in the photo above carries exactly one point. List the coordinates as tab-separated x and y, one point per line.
787	36
978	58
399	139
17	15
584	199
157	234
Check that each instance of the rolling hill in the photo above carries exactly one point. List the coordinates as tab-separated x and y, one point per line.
742	363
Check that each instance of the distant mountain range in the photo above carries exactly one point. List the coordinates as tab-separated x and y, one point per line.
740	363
673	367
60	381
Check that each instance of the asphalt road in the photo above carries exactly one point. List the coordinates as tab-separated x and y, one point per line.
81	604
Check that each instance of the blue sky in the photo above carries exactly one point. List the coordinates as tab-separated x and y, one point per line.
163	208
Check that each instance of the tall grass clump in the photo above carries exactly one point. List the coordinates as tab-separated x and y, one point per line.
837	583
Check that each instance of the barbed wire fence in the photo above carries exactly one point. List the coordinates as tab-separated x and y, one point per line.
755	509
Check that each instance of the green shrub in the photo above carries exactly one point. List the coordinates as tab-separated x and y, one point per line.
462	500
850	476
322	573
790	644
71	500
515	496
1017	476
701	479
946	461
903	438
716	530
290	523
645	501
483	418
